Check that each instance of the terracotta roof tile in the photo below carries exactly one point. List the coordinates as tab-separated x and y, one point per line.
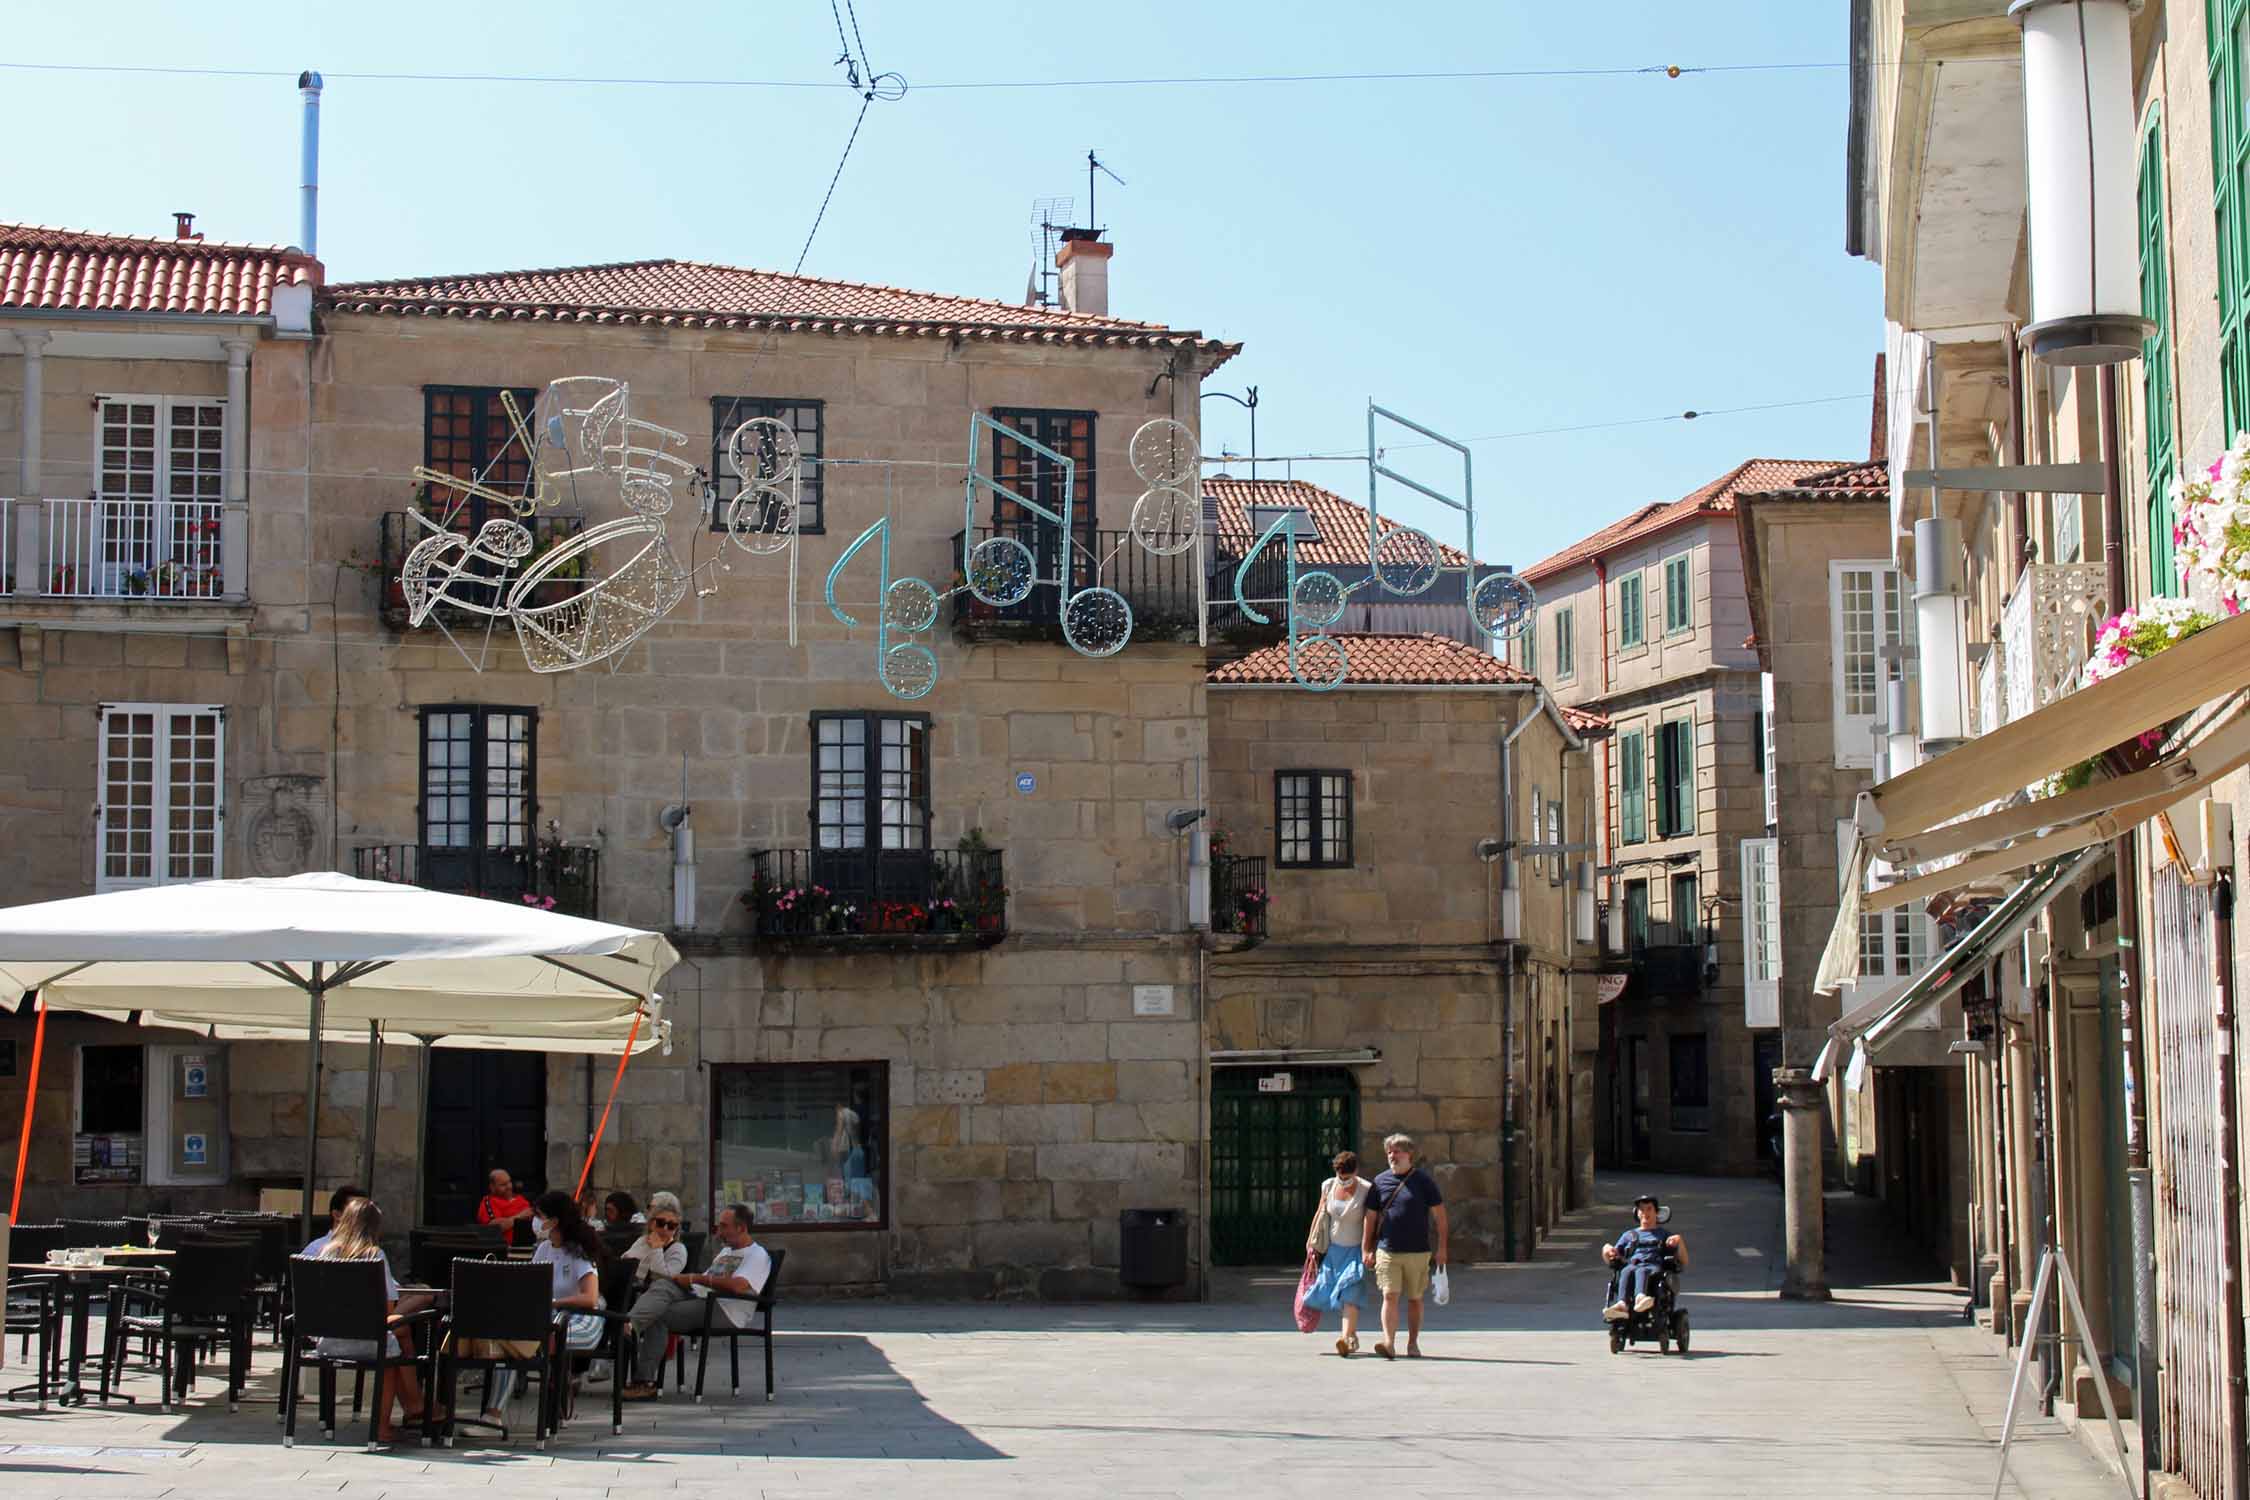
1757	475
695	294
68	270
1341	524
1868	480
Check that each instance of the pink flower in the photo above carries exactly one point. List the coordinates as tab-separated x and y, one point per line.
2233	606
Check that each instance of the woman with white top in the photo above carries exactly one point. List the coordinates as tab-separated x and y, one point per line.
1337	1225
358	1235
573	1250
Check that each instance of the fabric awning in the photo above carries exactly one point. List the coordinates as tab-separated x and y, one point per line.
1871	1025
2084	724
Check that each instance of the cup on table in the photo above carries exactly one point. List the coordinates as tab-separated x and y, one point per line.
58	1257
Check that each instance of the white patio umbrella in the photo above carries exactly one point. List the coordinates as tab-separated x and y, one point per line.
327	957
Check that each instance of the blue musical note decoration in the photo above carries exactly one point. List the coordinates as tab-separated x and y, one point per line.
907	669
1002	571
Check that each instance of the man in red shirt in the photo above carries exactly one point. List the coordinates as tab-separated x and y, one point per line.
503	1205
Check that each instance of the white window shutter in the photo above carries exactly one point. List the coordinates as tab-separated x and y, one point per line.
1855	627
1761	932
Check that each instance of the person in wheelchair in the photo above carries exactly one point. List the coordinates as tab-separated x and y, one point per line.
1639	1260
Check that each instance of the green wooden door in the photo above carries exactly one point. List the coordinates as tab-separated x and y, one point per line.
1269	1155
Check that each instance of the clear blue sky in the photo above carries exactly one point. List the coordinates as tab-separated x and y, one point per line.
1486	256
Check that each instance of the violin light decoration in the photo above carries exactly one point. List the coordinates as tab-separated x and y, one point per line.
1402	560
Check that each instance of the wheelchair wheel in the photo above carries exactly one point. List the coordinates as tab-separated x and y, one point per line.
1617	1338
1680	1330
1664	1338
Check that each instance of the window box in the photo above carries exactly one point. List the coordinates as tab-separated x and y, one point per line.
802	1145
1239	895
861	899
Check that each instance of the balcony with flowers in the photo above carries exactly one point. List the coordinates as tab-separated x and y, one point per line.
857	900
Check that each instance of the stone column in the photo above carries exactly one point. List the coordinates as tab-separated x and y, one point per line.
1804	1277
31	508
234	519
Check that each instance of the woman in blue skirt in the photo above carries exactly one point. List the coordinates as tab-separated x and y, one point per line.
1335	1237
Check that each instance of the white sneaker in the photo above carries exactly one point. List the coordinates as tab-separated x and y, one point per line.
1643	1304
1616	1312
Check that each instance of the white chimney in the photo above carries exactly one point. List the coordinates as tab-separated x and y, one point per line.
308	191
1084	263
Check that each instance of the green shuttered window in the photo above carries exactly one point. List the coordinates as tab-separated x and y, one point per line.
2156	361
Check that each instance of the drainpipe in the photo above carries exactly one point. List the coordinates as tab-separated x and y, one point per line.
2139	1186
2237	1441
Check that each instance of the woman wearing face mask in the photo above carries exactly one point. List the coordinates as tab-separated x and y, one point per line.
573	1249
1338	1222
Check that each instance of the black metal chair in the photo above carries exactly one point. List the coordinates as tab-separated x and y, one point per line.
35	1306
205	1301
345	1301
430	1254
497	1302
762	1302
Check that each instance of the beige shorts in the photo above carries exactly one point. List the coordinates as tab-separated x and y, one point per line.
1407	1273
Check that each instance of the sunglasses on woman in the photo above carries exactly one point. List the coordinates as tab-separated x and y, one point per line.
664	1223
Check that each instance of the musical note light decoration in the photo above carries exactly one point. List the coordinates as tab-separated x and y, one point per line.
1404	561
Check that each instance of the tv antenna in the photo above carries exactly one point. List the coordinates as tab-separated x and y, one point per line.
1049	218
1093	165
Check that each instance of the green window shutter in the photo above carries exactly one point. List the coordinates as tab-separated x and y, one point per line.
1566	644
2230	169
1679	601
1629	610
1675	778
1684	793
1632	788
2156	361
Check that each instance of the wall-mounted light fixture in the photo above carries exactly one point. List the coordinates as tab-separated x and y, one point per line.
1940	622
1582	928
2081	181
1900	754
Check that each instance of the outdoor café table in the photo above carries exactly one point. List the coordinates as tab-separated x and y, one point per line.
81	1281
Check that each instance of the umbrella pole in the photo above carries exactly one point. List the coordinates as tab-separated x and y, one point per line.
595	1145
30	1103
422	1131
374	1092
318	990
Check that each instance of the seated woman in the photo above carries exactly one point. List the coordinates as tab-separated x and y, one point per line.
1639	1256
573	1250
358	1235
659	1252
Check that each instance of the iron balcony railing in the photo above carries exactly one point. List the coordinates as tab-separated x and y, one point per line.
936	897
1239	896
1160	589
480	584
1668	956
555	877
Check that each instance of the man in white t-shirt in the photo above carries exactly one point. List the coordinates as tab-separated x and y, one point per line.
740	1267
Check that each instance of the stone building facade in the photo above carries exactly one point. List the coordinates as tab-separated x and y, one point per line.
1392	965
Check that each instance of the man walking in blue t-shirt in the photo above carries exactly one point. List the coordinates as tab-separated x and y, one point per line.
1406	1234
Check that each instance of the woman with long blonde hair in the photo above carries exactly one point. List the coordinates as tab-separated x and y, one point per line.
359	1236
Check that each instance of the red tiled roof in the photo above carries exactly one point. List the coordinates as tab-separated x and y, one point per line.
1757	475
1341	524
1398	661
68	270
694	294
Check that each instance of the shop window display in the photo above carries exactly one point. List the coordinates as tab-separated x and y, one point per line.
802	1144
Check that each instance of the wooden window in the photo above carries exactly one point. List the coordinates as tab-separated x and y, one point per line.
1868	631
466	433
804	417
2227	39
871	781
163	809
1687	903
1636	913
479	786
1761	932
1070	433
1675	778
1679	594
1566	643
2156	361
1630	625
1632	787
1313	819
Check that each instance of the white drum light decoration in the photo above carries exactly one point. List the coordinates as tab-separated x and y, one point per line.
1940	603
2081	182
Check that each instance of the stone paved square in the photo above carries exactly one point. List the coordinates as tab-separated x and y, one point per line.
1885	1392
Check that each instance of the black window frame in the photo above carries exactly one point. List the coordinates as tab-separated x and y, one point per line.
879	1154
478	864
871	871
1315	794
1690	1106
1048	425
730	412
489	439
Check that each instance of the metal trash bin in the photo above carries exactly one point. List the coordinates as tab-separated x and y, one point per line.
1152	1247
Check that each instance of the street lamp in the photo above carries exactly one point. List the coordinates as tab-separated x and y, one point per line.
2081	184
1940	622
1251	406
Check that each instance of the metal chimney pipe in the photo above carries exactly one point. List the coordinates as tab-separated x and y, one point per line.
308	211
